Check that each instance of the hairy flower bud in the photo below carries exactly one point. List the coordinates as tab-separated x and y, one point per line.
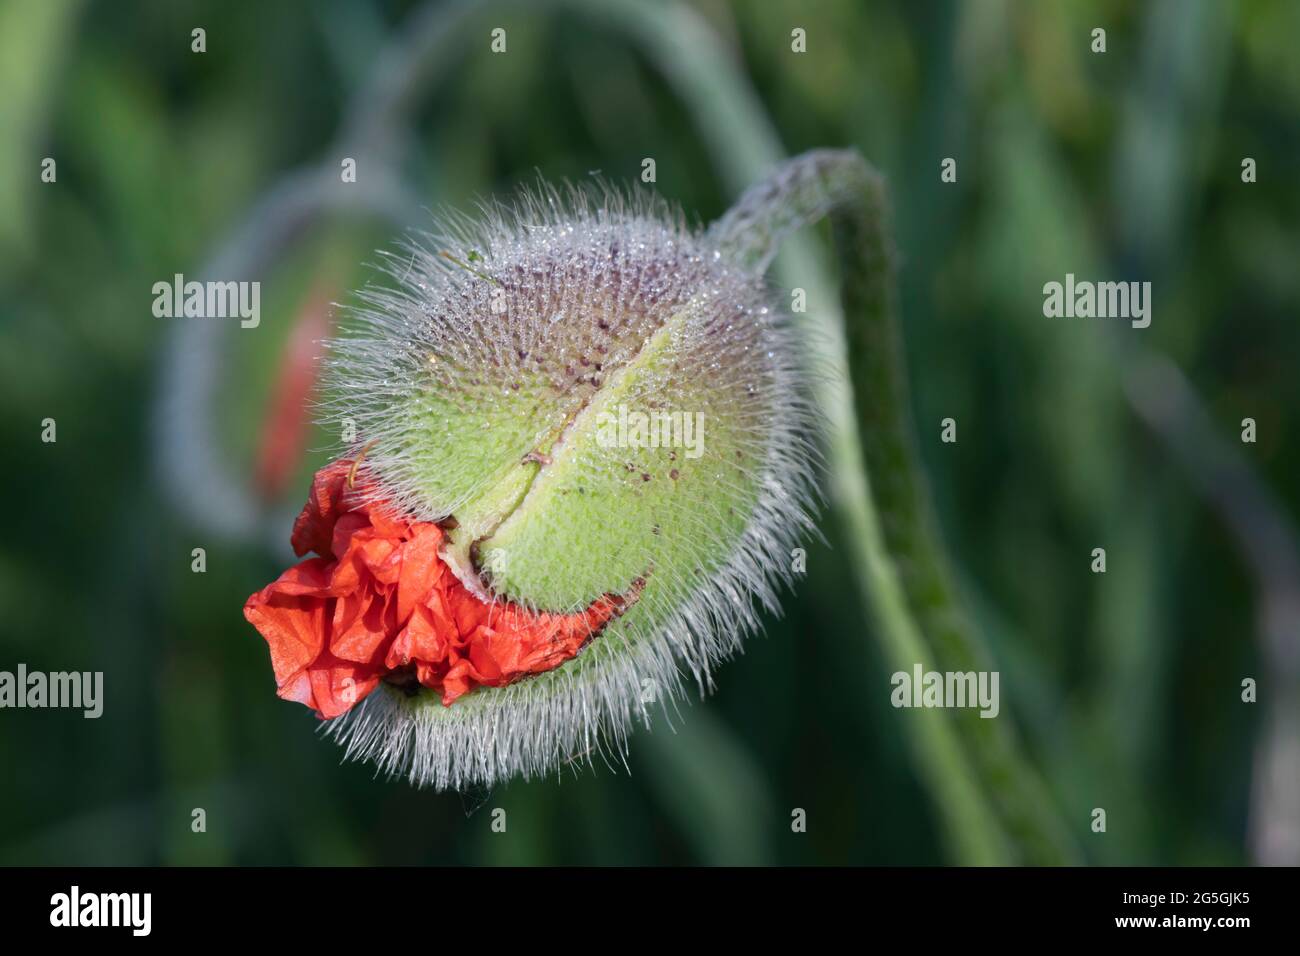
595	417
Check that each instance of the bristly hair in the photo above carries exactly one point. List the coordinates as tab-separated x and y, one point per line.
536	292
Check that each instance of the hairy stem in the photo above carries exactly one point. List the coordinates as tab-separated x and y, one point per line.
993	802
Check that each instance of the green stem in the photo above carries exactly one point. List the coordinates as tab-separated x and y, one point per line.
993	803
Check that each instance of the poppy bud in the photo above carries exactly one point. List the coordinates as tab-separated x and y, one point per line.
583	455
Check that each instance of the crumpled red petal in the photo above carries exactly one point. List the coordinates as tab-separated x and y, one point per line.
379	603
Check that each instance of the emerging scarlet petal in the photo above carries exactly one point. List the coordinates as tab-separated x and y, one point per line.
380	600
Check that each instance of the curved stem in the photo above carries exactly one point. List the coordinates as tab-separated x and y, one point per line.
993	802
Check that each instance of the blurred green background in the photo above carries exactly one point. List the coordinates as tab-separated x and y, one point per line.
1124	687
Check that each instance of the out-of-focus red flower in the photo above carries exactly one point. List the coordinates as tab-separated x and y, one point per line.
284	432
379	603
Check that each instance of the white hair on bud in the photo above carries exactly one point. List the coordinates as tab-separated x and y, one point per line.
579	270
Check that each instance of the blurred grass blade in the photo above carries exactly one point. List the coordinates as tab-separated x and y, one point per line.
32	38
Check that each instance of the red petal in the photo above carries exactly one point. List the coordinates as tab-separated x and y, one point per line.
291	615
380	598
360	628
315	525
421	568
